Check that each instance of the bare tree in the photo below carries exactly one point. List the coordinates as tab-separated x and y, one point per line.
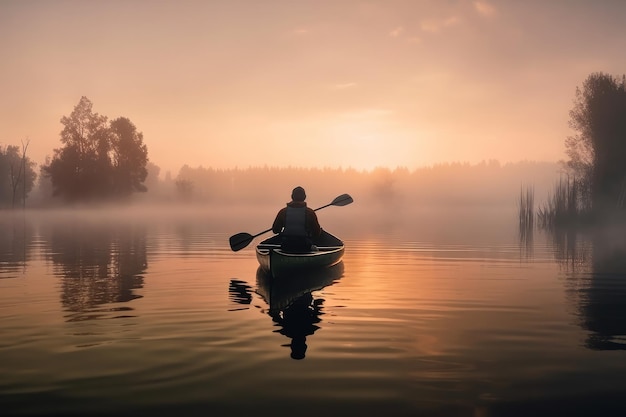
17	175
17	171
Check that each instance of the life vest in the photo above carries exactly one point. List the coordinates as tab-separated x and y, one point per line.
295	222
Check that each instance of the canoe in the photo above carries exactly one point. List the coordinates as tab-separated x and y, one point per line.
273	260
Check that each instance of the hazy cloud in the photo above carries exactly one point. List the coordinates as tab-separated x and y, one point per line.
396	32
484	8
400	33
437	25
300	32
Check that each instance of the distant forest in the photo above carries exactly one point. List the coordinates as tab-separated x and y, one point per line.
486	183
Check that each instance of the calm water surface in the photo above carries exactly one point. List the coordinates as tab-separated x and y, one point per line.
449	316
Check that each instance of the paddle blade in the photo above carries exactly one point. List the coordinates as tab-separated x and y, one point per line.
342	200
240	241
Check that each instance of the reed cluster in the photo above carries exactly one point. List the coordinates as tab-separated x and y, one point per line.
564	207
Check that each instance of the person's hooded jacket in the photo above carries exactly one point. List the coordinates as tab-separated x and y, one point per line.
297	219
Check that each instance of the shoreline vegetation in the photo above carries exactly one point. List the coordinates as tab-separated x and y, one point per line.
564	207
594	192
567	209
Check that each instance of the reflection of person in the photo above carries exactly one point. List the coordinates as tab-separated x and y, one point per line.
299	321
297	223
292	306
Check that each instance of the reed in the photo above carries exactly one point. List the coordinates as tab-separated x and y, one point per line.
526	209
526	213
564	207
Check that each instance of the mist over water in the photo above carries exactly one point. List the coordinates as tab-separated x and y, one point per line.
434	310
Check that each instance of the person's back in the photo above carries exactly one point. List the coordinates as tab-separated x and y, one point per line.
297	224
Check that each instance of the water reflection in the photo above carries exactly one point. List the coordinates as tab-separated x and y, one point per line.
596	266
240	292
98	264
16	237
526	238
603	302
292	306
572	249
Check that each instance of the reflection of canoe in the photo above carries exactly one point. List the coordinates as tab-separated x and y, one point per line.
272	259
280	292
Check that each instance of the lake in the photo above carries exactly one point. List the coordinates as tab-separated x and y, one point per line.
432	312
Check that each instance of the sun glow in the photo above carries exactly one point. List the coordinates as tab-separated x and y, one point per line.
354	86
369	138
367	145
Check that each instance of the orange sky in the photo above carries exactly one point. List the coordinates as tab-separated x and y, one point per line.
352	83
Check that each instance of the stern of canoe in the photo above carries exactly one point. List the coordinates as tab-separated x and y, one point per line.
272	259
284	262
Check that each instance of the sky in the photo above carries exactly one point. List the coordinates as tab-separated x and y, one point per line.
314	83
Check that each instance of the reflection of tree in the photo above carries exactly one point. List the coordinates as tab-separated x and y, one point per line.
98	265
571	249
185	232
603	302
16	236
597	277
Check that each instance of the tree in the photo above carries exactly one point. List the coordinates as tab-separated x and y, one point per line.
184	189
130	156
152	182
597	152
98	160
78	169
17	175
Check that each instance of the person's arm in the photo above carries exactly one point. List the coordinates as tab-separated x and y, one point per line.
279	221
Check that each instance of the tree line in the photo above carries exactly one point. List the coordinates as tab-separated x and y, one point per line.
101	159
452	184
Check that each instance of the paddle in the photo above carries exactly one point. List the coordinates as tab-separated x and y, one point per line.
241	240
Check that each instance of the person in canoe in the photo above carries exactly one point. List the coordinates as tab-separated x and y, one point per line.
297	224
